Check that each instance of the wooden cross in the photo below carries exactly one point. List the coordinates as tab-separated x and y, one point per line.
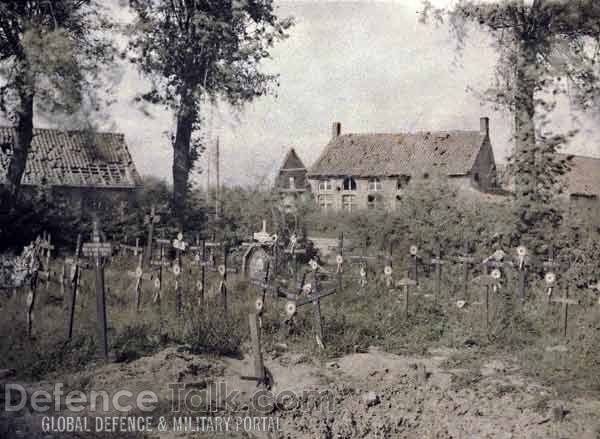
313	296
522	264
260	374
414	254
159	266
565	301
139	275
200	260
179	245
438	262
467	260
339	271
223	270
32	288
99	251
550	277
260	300
46	245
489	281
74	283
150	220
406	283
59	278
362	263
293	251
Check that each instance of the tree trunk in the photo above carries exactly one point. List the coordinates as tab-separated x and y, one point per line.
182	160
20	148
524	155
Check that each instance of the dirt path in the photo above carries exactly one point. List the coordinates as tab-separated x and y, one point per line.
369	395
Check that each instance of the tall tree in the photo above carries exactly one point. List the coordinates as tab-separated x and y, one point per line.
546	48
49	56
198	51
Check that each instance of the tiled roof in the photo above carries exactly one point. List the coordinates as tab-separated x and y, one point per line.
363	155
73	158
583	177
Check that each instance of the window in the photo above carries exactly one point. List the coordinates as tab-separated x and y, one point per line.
348	202
349	184
374	201
292	183
403	181
325	185
374	184
325	202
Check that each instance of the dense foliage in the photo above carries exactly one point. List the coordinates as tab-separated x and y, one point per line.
546	49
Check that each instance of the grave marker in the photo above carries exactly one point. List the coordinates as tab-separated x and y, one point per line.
260	300
339	259
159	266
565	301
362	261
260	374
179	245
150	220
98	251
467	260
314	296
414	254
522	265
200	260
74	283
294	251
488	280
406	283
139	275
47	247
438	263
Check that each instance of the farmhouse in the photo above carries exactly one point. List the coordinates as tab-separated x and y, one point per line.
82	169
291	183
358	171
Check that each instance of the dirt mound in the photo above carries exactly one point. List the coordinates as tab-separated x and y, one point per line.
366	395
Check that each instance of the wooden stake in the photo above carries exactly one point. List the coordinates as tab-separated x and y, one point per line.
260	375
406	283
223	287
74	281
438	262
150	220
31	296
98	251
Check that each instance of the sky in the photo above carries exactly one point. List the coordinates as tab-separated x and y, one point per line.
367	64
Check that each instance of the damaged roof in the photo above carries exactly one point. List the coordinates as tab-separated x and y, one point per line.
364	155
73	158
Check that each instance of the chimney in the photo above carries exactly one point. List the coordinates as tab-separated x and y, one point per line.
484	126
336	129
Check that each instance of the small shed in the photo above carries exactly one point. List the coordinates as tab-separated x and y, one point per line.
82	168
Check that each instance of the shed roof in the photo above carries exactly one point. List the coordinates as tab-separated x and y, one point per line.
73	158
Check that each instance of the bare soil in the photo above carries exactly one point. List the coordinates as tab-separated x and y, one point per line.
444	395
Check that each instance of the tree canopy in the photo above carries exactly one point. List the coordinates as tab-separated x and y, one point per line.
546	48
50	57
198	51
